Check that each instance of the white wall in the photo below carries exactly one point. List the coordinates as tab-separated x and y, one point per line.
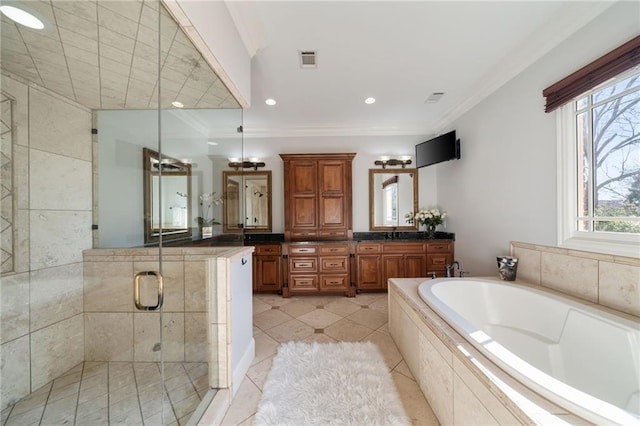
504	187
368	149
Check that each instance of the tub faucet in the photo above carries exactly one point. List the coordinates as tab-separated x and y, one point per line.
455	263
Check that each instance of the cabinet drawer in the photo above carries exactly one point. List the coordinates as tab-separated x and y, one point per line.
334	264
303	235
303	264
334	250
368	248
334	282
304	282
268	249
333	235
304	250
403	248
438	262
440	247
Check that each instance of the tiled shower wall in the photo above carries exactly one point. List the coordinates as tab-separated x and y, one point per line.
41	312
611	281
116	331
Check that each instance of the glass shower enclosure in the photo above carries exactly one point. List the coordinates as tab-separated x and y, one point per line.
103	318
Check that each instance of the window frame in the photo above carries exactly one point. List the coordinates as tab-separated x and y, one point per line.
623	244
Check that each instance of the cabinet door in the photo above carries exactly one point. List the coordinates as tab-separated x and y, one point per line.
267	273
369	272
415	265
392	267
332	187
303	184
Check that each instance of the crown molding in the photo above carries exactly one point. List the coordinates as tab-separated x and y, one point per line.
272	132
537	45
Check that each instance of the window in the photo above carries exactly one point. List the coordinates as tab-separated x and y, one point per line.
600	168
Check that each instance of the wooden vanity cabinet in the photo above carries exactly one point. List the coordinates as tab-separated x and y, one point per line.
318	268
267	268
439	255
317	196
378	261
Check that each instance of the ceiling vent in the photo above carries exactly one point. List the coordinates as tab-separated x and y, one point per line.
308	58
434	97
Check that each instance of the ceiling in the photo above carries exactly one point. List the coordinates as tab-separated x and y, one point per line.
104	55
397	52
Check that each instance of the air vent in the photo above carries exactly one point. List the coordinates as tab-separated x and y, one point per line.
308	58
434	97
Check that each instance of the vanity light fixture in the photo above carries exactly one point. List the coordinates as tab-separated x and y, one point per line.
369	100
270	102
385	161
177	104
22	17
252	163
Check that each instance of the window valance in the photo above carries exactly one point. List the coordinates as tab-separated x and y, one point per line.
586	78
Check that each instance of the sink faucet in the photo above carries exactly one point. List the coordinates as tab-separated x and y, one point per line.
455	263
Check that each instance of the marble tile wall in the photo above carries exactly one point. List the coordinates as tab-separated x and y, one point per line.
116	331
607	280
41	316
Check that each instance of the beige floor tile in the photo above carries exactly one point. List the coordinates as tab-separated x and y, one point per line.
297	308
244	404
248	422
187	406
320	338
403	369
265	347
258	373
293	330
318	300
366	299
390	353
415	405
319	318
369	318
269	319
341	307
384	329
347	331
381	305
273	299
259	306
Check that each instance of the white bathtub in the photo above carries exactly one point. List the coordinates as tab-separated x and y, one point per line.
581	358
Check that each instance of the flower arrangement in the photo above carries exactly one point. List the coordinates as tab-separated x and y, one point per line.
209	200
431	218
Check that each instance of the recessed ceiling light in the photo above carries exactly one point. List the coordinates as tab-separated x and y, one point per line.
212	143
369	101
177	104
22	17
270	102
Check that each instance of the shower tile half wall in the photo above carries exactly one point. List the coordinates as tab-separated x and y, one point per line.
116	331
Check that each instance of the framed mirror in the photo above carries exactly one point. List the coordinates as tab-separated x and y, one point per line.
167	206
247	201
392	194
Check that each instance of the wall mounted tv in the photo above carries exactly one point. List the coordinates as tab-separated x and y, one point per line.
442	148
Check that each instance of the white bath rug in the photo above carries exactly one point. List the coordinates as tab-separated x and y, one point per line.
330	384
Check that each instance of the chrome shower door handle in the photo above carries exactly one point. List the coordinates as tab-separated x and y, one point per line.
136	291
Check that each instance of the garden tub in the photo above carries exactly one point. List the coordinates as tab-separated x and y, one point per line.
580	357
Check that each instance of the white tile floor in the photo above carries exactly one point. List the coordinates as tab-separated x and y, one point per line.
323	319
114	393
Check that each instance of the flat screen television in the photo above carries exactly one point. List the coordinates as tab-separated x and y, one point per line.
441	148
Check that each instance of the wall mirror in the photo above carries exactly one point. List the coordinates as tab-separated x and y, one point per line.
167	206
247	201
392	194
